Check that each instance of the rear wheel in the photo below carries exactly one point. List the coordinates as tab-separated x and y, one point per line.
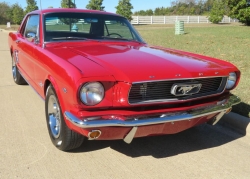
61	136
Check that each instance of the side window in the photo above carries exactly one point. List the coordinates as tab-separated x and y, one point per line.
31	30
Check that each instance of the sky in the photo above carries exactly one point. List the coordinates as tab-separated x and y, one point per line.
109	4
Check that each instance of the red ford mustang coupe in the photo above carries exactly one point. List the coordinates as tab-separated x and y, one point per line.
101	81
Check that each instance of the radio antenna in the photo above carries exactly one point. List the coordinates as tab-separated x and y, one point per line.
40	4
42	28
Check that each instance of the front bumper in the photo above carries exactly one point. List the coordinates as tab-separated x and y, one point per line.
220	108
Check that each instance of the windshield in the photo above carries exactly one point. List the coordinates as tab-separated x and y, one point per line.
84	26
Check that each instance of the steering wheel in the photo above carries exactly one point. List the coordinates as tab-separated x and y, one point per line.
114	34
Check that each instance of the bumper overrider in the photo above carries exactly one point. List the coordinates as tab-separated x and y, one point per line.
220	108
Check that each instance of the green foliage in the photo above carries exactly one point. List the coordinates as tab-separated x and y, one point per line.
124	8
161	11
67	4
17	13
95	5
240	9
150	12
183	7
31	6
5	14
217	12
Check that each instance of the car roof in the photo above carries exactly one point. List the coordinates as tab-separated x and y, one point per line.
51	10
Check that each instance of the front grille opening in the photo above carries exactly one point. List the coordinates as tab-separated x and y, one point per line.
161	90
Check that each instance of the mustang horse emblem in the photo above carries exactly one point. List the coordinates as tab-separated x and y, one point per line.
182	89
185	89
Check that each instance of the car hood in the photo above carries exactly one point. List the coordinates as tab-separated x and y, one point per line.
132	62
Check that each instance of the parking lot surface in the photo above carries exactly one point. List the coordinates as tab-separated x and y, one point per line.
27	152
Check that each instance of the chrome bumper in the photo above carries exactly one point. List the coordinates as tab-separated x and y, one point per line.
221	107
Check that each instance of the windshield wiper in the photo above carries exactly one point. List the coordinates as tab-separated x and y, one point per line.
114	38
70	38
120	38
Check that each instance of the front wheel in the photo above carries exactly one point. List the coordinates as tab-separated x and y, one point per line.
17	77
61	136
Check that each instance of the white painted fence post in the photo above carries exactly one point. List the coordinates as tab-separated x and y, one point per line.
229	19
188	20
176	18
137	19
198	19
164	19
151	19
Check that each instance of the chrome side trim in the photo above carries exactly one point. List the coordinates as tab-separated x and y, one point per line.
221	106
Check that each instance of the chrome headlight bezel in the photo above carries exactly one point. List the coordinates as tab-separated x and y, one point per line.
231	81
92	93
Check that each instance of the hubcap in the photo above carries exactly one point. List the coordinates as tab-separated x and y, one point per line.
54	116
14	68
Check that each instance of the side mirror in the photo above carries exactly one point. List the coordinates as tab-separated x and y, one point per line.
31	37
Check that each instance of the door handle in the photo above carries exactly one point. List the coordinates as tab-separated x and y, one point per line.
17	41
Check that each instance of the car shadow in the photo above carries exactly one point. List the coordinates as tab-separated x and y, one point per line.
242	109
197	138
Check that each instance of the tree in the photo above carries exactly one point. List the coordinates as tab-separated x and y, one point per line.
149	12
67	4
124	8
217	12
17	13
95	5
5	15
31	6
240	9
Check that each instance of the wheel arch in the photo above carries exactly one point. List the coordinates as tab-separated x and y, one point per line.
46	85
11	50
51	81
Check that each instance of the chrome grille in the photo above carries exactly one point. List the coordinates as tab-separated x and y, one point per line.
147	92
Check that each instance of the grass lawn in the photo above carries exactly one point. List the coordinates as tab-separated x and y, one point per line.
227	42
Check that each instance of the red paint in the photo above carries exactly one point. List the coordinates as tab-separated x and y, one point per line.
116	64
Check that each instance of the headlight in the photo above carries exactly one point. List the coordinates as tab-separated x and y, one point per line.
231	80
92	93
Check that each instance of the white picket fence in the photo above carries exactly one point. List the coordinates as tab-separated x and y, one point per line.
173	19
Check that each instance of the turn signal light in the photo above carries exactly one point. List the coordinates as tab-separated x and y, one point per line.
95	134
228	110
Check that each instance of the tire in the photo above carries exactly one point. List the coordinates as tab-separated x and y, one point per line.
17	77
61	136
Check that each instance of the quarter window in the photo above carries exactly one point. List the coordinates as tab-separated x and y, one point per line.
31	29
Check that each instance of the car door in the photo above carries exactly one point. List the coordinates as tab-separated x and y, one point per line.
25	45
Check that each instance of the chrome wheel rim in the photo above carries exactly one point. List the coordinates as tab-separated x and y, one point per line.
54	116
14	69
